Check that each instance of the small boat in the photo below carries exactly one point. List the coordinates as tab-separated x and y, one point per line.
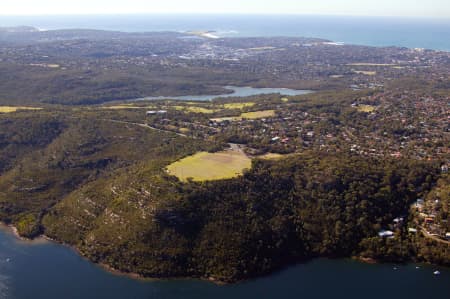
436	272
8	260
417	267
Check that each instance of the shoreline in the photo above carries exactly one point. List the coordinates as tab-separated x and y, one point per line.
43	239
366	260
233	91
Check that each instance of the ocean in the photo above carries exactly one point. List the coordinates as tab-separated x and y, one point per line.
371	31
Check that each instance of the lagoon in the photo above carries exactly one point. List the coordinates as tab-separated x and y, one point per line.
235	92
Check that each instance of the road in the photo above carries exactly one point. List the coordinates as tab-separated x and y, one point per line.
144	126
427	235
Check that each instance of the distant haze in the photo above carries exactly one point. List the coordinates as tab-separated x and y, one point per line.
404	8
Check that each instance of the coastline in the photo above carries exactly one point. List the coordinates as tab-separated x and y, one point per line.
43	239
368	32
366	260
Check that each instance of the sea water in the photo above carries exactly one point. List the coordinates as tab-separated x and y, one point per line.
372	31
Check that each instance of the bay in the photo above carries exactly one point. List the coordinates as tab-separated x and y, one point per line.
43	269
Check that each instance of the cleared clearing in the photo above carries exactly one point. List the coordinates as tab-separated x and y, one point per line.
9	109
367	73
247	115
199	109
258	114
184	130
228	118
206	166
238	105
366	108
119	107
194	109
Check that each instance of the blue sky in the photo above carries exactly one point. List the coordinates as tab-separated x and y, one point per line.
409	8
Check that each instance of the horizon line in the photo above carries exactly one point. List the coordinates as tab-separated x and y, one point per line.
219	13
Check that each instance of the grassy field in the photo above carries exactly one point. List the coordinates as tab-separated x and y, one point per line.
366	108
228	118
247	115
198	109
367	73
125	106
194	109
9	109
184	130
238	105
205	166
258	114
371	64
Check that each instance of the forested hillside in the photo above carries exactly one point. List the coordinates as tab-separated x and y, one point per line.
101	187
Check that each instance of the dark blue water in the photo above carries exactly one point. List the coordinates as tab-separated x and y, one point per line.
372	31
47	270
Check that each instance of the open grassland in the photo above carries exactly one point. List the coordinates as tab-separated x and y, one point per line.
125	106
238	105
184	130
9	109
371	64
247	115
258	114
209	110
367	73
205	166
187	107
272	156
194	109
366	108
228	118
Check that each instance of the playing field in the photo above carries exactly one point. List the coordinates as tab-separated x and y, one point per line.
367	73
258	114
205	110
247	115
238	105
205	166
9	109
366	108
194	109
